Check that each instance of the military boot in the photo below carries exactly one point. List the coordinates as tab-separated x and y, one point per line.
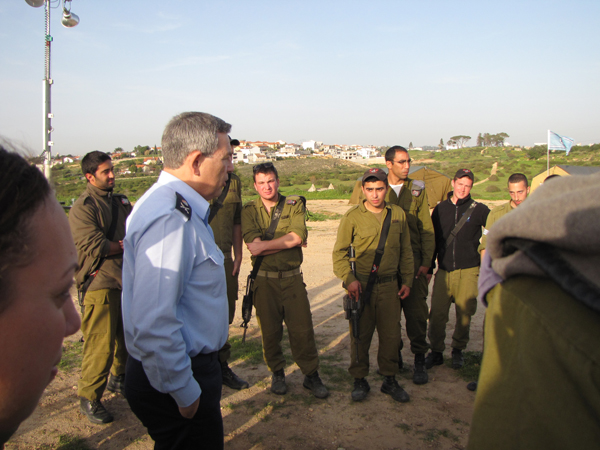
457	358
361	389
434	359
231	379
314	383
391	387
278	385
95	411
116	384
420	374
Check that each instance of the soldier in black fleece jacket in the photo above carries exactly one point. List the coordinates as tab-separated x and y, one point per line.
458	262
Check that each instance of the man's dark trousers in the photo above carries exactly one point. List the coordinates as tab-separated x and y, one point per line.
159	412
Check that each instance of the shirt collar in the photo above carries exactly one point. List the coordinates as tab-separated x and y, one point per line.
199	205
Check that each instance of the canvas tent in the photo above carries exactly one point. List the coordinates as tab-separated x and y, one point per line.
563	171
437	185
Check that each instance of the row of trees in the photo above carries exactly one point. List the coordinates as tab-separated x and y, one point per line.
491	140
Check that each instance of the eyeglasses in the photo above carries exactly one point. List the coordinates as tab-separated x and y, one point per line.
263	167
403	162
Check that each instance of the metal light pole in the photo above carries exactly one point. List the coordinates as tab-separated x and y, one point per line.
69	20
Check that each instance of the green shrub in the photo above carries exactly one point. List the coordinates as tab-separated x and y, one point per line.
492	188
493	178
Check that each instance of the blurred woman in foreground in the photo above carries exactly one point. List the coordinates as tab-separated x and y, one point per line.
37	263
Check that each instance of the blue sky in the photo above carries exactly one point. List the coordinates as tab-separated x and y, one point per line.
347	72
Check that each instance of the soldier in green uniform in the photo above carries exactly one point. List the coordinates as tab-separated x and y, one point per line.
226	224
279	290
518	189
361	226
97	221
411	196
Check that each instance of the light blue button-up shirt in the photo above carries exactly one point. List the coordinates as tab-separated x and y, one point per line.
174	288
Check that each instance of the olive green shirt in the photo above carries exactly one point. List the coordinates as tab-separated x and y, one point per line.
229	215
361	228
255	223
413	201
90	219
494	215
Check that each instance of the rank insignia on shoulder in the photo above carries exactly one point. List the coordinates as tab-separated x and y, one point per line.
183	206
291	202
416	192
125	201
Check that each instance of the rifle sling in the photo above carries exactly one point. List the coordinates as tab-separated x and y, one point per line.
218	203
269	234
461	223
385	228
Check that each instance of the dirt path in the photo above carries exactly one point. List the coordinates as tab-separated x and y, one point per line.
492	172
437	416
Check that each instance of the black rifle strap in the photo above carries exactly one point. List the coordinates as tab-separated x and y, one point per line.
110	235
218	203
385	228
269	234
460	223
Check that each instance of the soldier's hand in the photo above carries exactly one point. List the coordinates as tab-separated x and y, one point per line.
255	248
189	411
237	263
429	276
404	292
422	271
354	289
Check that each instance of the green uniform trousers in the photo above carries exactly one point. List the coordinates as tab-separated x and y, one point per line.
459	286
232	296
416	312
383	312
539	386
104	343
285	299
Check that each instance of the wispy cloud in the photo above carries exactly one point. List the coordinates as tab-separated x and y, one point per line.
190	61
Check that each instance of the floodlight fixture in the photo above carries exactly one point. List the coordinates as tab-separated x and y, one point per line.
69	19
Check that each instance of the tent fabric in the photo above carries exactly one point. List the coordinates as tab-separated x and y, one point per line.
437	185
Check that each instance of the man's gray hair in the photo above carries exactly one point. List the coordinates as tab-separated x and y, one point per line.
191	131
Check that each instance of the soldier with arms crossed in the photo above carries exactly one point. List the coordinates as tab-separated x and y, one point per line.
279	289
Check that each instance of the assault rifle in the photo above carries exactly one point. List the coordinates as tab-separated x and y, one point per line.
353	306
247	303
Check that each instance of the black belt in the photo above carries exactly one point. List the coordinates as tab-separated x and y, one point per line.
205	356
378	279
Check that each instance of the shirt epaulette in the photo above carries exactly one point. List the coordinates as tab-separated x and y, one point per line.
123	198
183	206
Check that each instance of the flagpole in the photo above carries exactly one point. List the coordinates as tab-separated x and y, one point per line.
548	158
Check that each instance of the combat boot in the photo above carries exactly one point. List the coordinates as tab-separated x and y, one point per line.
231	379
95	411
434	359
116	384
420	374
457	358
361	389
278	385
391	387
314	383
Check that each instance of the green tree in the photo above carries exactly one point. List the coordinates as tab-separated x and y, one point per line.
441	144
410	145
461	140
479	140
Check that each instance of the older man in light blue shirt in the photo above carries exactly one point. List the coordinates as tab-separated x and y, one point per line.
175	309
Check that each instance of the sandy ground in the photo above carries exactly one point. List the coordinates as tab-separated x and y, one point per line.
437	416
